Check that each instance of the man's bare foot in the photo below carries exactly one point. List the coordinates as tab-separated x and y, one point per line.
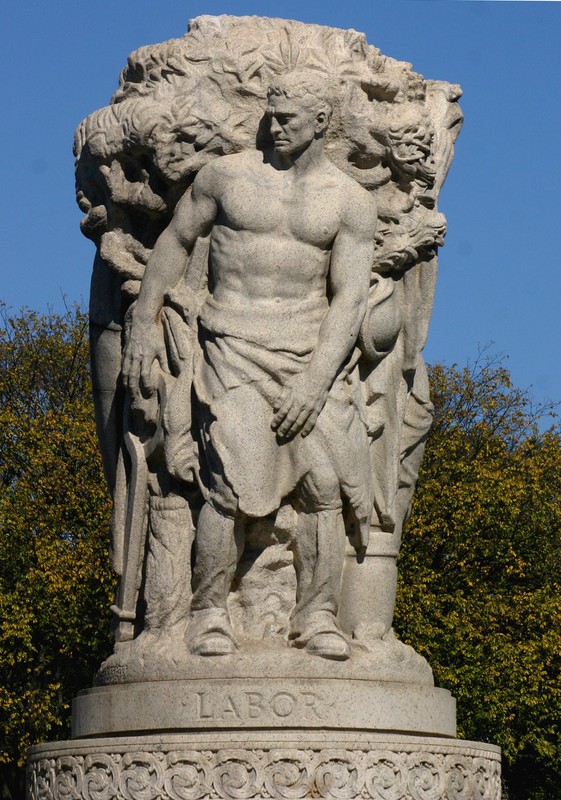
329	645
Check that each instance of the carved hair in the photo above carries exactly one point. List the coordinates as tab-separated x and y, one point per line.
297	84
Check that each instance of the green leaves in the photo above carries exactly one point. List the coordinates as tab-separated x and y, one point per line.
480	569
55	586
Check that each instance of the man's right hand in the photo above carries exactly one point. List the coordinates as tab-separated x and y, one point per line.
143	347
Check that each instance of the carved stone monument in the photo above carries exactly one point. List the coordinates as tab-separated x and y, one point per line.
262	195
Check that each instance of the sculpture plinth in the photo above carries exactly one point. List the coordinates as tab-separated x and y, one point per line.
259	703
245	766
263	195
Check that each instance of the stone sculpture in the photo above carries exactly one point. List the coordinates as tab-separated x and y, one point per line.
276	380
262	195
287	228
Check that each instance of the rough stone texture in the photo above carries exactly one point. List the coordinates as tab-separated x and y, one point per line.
262	195
146	658
260	703
272	393
261	765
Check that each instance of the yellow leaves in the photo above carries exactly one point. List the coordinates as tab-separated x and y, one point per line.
53	529
480	569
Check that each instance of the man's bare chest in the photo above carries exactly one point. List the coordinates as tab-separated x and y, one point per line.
306	213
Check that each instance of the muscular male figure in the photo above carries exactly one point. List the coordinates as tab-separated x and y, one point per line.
280	417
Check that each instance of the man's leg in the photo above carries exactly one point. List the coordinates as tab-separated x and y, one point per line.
219	545
319	550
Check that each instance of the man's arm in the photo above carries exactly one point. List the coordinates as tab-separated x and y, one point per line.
193	218
302	399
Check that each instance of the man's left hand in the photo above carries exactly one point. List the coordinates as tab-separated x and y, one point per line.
298	406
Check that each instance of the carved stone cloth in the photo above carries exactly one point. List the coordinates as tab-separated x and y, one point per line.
246	357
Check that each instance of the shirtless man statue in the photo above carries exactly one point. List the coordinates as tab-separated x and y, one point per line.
279	411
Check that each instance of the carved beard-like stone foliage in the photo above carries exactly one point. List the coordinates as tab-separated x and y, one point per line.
186	101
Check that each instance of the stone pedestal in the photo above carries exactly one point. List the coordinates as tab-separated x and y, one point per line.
373	727
265	764
267	722
304	704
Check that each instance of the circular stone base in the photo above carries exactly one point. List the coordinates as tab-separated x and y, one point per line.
233	703
244	765
152	657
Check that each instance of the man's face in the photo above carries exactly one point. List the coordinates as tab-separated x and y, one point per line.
293	123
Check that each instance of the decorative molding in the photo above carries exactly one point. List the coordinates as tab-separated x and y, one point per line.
341	773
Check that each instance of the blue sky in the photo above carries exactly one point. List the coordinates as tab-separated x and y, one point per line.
500	270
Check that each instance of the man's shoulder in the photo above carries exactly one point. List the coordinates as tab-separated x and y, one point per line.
347	185
230	164
215	174
354	198
357	208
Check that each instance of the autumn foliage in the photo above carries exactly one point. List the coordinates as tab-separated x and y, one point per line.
55	585
480	570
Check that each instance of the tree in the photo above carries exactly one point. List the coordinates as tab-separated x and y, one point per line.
480	572
55	585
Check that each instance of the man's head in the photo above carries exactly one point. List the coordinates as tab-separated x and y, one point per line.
299	108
